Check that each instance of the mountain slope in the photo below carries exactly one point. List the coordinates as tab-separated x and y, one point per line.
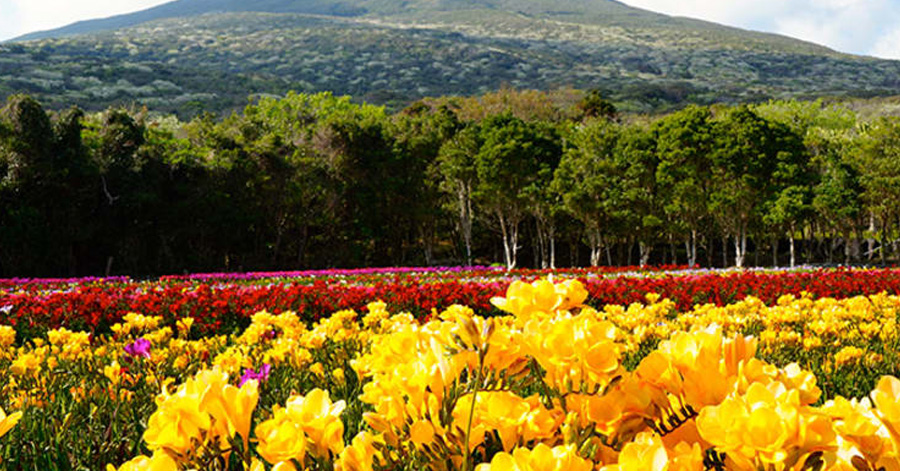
584	9
210	54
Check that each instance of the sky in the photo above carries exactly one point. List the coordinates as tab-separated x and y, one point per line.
869	27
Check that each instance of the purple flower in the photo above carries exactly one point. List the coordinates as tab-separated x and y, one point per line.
140	348
261	375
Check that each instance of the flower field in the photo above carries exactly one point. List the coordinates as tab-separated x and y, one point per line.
584	371
225	302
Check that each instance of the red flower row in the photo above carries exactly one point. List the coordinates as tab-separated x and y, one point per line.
224	306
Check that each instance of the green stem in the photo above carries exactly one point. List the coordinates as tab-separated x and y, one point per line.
467	465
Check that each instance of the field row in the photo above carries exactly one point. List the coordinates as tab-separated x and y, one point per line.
551	384
224	306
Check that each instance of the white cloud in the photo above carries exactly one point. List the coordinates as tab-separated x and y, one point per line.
37	15
888	45
9	18
854	26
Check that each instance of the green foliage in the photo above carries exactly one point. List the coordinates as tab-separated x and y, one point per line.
586	172
315	180
684	142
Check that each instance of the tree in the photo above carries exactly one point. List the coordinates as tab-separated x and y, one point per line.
790	206
640	210
684	142
821	183
593	105
543	203
878	161
751	158
459	177
419	133
584	177
26	158
28	146
512	157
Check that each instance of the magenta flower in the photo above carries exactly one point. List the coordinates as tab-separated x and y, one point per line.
261	375
140	348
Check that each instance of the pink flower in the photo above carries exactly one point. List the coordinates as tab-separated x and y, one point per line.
140	348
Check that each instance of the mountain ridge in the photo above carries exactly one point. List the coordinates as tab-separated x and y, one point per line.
385	8
393	52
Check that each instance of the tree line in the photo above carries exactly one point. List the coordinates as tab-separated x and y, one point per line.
514	177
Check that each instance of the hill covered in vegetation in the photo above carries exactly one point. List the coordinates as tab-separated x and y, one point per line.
189	56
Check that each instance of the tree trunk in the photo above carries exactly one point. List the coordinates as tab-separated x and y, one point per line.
870	240
465	219
505	241
743	244
552	234
793	257
738	254
545	233
693	252
596	246
510	239
514	242
791	238
740	246
645	250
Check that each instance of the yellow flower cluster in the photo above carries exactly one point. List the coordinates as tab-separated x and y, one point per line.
546	388
199	425
555	385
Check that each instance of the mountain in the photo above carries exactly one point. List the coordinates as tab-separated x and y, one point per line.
193	55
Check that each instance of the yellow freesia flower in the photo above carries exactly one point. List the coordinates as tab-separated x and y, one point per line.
541	297
7	422
513	418
7	336
361	455
320	420
231	408
160	461
27	364
113	372
184	326
204	408
541	458
281	439
577	352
